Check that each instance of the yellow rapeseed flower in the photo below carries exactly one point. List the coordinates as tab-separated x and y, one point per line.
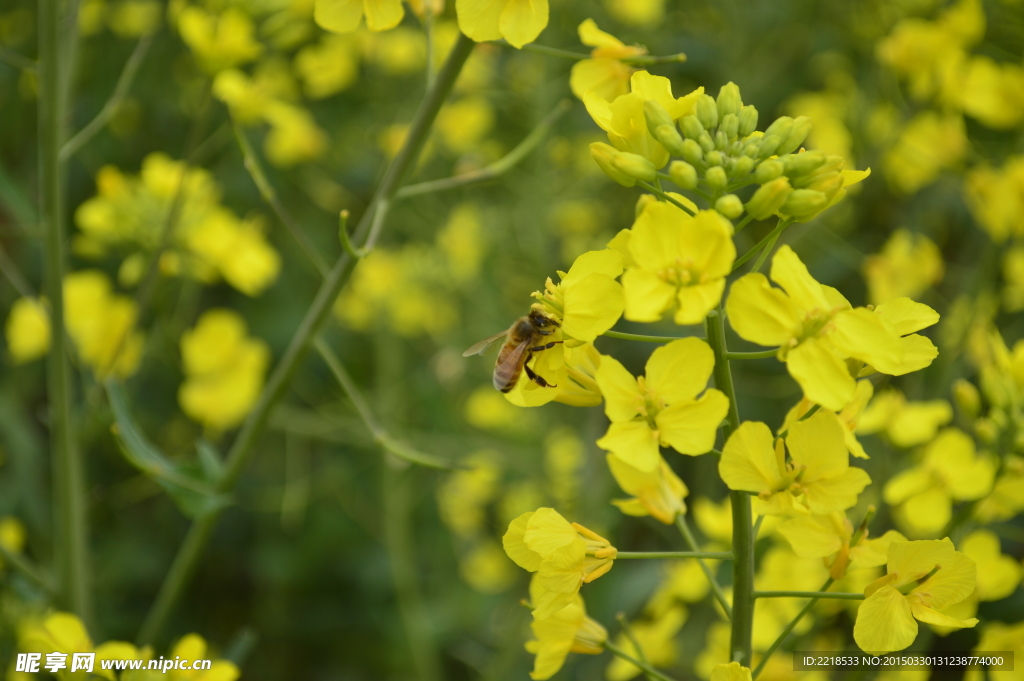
27	330
567	631
998	574
996	198
993	93
849	416
655	640
101	324
658	493
219	41
517	21
829	535
328	67
193	647
906	424
931	142
679	262
908	265
344	16
663	408
224	369
818	330
564	556
604	73
463	496
733	671
636	12
922	578
818	477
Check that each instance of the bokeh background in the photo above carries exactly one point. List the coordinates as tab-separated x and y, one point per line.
334	560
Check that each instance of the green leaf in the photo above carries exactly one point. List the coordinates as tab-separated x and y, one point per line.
185	483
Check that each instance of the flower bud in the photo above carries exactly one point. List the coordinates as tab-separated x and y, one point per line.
803	203
797	134
729	101
683	174
721	140
752	147
743	167
705	142
707	112
716	178
730	125
806	162
730	206
691	126
780	127
635	166
714	158
769	143
670	138
656	116
768	199
747	120
986	430
967	398
735	148
692	152
643	202
768	171
604	154
828	184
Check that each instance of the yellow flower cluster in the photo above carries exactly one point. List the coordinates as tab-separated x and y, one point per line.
207	239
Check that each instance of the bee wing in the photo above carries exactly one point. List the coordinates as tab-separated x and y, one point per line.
485	345
509	366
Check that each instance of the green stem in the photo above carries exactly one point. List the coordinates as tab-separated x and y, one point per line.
789	629
716	588
648	669
69	508
627	631
810	594
638	337
743	223
252	429
659	193
22	565
17	61
550	51
711	555
496	169
763	354
758	248
772	239
742	528
647	59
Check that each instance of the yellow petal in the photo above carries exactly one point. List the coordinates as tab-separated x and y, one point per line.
598	108
912	560
789	272
339	16
647	295
680	370
836	493
906	316
606	261
622	397
591	35
382	15
630	479
861	334
884	622
656	235
930	616
630	507
817	444
748	460
733	671
927	513
479	19
762	314
695	302
813	536
873	552
821	373
605	77
548	533
906	484
522	21
515	546
546	603
918	353
955	581
707	243
634	442
691	427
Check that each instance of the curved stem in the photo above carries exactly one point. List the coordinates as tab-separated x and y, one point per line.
810	594
772	240
716	588
252	429
648	669
659	193
549	51
22	565
638	337
759	248
763	354
711	555
788	630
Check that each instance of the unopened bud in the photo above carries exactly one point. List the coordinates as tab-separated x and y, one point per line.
967	398
803	203
635	166
806	162
716	178
735	148
729	101
730	125
683	174
768	199
743	167
730	206
752	147
656	115
747	120
670	138
714	158
986	430
604	154
692	152
780	127
721	140
769	143
691	126
797	134
644	201
768	171
828	184
707	112
705	142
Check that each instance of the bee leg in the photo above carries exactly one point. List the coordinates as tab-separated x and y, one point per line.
536	378
545	347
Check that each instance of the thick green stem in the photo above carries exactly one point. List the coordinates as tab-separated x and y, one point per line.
71	548
710	555
742	528
252	430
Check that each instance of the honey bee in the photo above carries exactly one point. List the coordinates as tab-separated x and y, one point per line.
522	339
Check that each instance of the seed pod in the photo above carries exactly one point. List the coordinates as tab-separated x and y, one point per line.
635	166
747	120
729	101
803	203
768	199
806	162
691	126
716	178
768	171
796	136
730	206
730	125
604	154
683	174
707	112
692	152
